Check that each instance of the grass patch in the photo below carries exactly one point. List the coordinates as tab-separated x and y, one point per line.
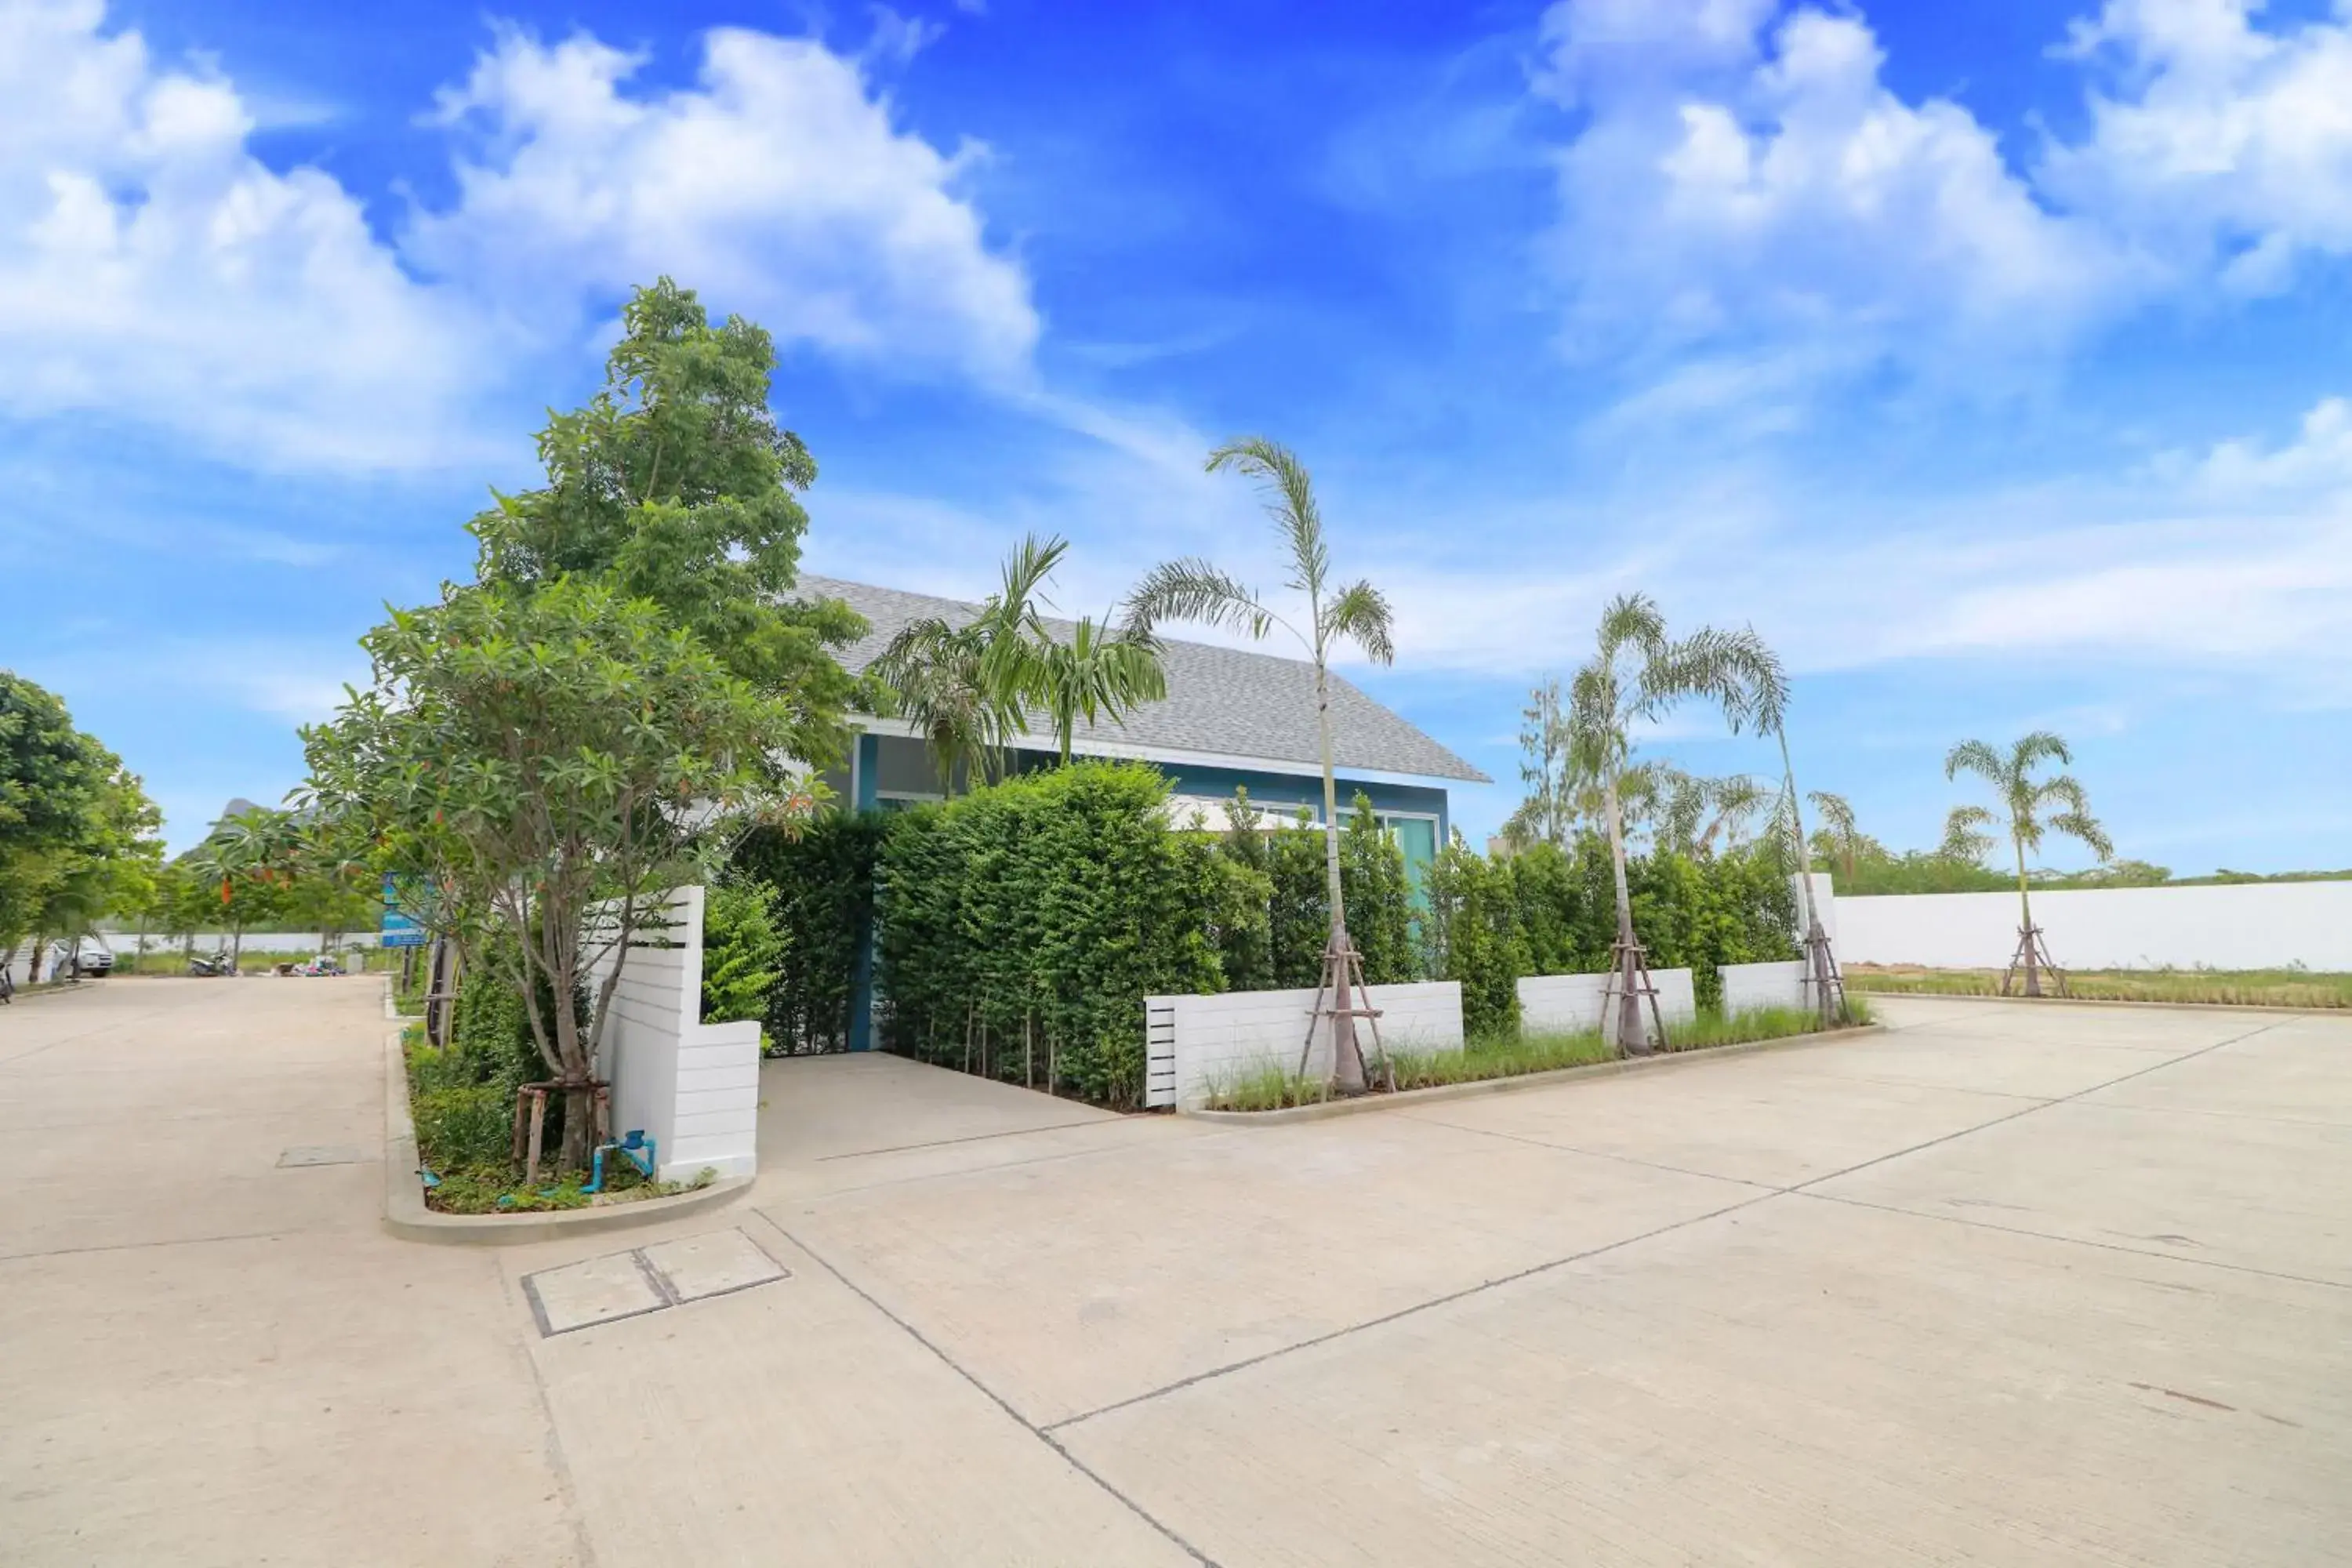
2215	987
1273	1088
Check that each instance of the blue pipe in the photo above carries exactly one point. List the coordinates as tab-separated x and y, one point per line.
635	1147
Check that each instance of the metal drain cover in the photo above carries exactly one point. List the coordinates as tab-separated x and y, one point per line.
647	1279
320	1154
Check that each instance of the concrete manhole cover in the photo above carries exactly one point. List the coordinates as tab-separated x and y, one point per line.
647	1279
320	1154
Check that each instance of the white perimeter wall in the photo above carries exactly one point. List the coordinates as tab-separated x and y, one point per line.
2252	925
1551	1004
1195	1045
1747	986
693	1086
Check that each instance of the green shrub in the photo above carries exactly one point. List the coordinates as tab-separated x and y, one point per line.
822	880
464	1126
1023	923
744	948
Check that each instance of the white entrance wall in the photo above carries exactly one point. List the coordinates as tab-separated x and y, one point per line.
2248	925
693	1086
1747	986
1567	1004
1196	1045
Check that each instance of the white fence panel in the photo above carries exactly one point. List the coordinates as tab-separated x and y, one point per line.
1746	986
693	1086
2248	925
1561	1003
1195	1045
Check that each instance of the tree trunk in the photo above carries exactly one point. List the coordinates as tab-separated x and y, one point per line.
1347	1064
1816	941
32	963
1633	1035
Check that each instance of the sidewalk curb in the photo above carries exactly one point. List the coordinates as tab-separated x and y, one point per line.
407	1218
2109	1001
1446	1091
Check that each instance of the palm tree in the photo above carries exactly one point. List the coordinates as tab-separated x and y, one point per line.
969	688
1192	589
1636	673
961	686
1838	823
2026	800
1099	672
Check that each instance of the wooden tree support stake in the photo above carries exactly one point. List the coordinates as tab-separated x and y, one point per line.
1343	974
2033	957
1629	975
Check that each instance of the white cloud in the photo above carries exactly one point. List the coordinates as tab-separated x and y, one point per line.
778	186
155	271
152	271
2317	463
2221	144
1734	184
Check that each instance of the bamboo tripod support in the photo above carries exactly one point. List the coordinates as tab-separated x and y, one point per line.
1629	975
1343	976
2032	956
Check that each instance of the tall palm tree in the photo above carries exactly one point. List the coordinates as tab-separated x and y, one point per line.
1838	823
1636	673
2027	802
1192	589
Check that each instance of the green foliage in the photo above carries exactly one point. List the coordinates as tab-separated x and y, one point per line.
675	484
1471	934
1025	923
2219	987
1703	913
1245	928
1299	912
542	758
463	1125
743	947
78	833
820	880
1378	898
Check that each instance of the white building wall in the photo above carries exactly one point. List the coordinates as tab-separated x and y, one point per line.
2250	925
1196	1045
693	1086
1563	1004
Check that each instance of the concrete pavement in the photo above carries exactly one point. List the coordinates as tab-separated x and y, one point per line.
2004	1285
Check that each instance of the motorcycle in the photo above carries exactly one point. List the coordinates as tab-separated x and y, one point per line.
216	963
323	964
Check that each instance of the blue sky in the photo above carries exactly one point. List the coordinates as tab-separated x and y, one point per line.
1990	359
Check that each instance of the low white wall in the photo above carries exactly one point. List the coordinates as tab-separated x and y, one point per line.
1746	986
1195	1045
1550	1003
2249	925
693	1086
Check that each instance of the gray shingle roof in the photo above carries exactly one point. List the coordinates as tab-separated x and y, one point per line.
1220	700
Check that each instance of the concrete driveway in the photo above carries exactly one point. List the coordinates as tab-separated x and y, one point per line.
2003	1284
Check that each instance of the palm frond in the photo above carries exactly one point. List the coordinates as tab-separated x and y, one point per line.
1965	837
2082	826
1976	757
1835	811
1359	613
1289	492
1191	589
2040	746
1632	620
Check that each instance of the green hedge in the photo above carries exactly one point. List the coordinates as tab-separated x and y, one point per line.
1025	923
1546	911
823	879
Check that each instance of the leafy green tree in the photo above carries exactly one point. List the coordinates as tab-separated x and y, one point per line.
1471	934
62	803
1246	943
675	484
564	758
2034	809
1193	589
1636	673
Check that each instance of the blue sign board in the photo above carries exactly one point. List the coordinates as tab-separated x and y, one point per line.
398	929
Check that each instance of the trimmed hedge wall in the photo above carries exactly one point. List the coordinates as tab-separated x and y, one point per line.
822	880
